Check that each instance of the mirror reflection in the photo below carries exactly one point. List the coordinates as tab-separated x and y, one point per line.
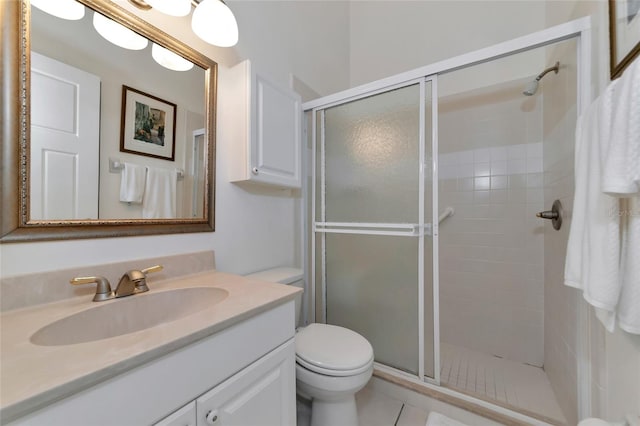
114	134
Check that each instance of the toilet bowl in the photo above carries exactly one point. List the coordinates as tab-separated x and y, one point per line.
332	363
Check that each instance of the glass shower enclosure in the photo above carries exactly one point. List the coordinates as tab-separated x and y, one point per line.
373	200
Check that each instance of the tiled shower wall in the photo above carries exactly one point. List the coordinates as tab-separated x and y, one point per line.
561	302
491	250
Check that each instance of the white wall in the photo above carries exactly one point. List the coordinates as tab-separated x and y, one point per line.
254	228
388	37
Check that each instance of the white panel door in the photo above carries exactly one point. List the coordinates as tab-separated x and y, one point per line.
262	394
65	135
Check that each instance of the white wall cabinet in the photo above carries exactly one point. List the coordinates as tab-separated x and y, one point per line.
265	127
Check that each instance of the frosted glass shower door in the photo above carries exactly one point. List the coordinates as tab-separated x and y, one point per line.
369	221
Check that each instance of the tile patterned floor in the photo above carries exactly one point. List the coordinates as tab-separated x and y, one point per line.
509	382
375	409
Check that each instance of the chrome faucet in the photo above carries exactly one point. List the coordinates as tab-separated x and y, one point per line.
103	288
132	282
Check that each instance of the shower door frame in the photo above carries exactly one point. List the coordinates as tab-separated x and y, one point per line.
411	230
580	29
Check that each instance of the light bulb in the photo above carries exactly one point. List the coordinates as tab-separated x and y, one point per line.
65	9
214	23
169	60
118	34
171	7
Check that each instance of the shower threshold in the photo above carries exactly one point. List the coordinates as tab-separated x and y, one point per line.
488	408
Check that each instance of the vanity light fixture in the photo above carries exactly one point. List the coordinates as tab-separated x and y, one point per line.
118	34
212	20
214	23
65	9
171	7
168	59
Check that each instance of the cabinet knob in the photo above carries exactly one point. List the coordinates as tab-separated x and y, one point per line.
254	170
212	417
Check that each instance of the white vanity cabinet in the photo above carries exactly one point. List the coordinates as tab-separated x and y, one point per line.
263	121
245	372
258	395
186	416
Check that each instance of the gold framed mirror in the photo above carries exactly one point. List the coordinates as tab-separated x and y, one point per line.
21	165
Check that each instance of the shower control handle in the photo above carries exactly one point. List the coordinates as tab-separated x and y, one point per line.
548	214
555	215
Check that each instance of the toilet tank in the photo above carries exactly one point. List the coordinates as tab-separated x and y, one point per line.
288	276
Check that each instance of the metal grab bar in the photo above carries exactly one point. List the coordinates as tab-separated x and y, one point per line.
449	211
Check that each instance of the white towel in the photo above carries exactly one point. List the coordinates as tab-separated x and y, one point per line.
159	200
621	173
593	251
629	305
621	177
132	181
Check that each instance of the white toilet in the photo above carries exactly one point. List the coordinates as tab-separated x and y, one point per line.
332	363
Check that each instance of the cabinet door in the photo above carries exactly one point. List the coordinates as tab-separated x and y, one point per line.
275	150
262	394
186	416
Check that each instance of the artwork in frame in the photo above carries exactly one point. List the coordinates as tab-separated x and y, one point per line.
624	34
148	125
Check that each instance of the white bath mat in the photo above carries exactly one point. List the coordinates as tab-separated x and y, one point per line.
437	419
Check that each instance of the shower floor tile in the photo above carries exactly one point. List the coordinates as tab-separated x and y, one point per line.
492	378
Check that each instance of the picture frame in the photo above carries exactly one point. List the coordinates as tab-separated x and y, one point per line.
148	125
624	34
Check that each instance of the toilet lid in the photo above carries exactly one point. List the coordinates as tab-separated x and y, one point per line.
333	350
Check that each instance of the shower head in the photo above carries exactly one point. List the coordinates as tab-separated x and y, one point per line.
532	87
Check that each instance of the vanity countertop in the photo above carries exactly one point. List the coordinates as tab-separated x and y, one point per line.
34	376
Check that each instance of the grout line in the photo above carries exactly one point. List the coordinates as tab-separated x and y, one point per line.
399	414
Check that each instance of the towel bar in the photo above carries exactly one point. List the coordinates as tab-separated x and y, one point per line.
116	166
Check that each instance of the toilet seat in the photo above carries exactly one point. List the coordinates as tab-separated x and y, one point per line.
332	351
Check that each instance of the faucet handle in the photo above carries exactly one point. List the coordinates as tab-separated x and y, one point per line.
150	269
141	285
103	288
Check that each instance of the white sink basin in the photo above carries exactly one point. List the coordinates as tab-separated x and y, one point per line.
128	315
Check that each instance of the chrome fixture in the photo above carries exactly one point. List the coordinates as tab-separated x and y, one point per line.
103	288
132	282
533	86
555	215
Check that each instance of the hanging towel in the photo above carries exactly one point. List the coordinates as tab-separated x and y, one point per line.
593	251
621	174
132	182
621	178
629	305
159	200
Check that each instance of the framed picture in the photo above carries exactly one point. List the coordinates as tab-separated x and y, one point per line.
624	34
148	125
